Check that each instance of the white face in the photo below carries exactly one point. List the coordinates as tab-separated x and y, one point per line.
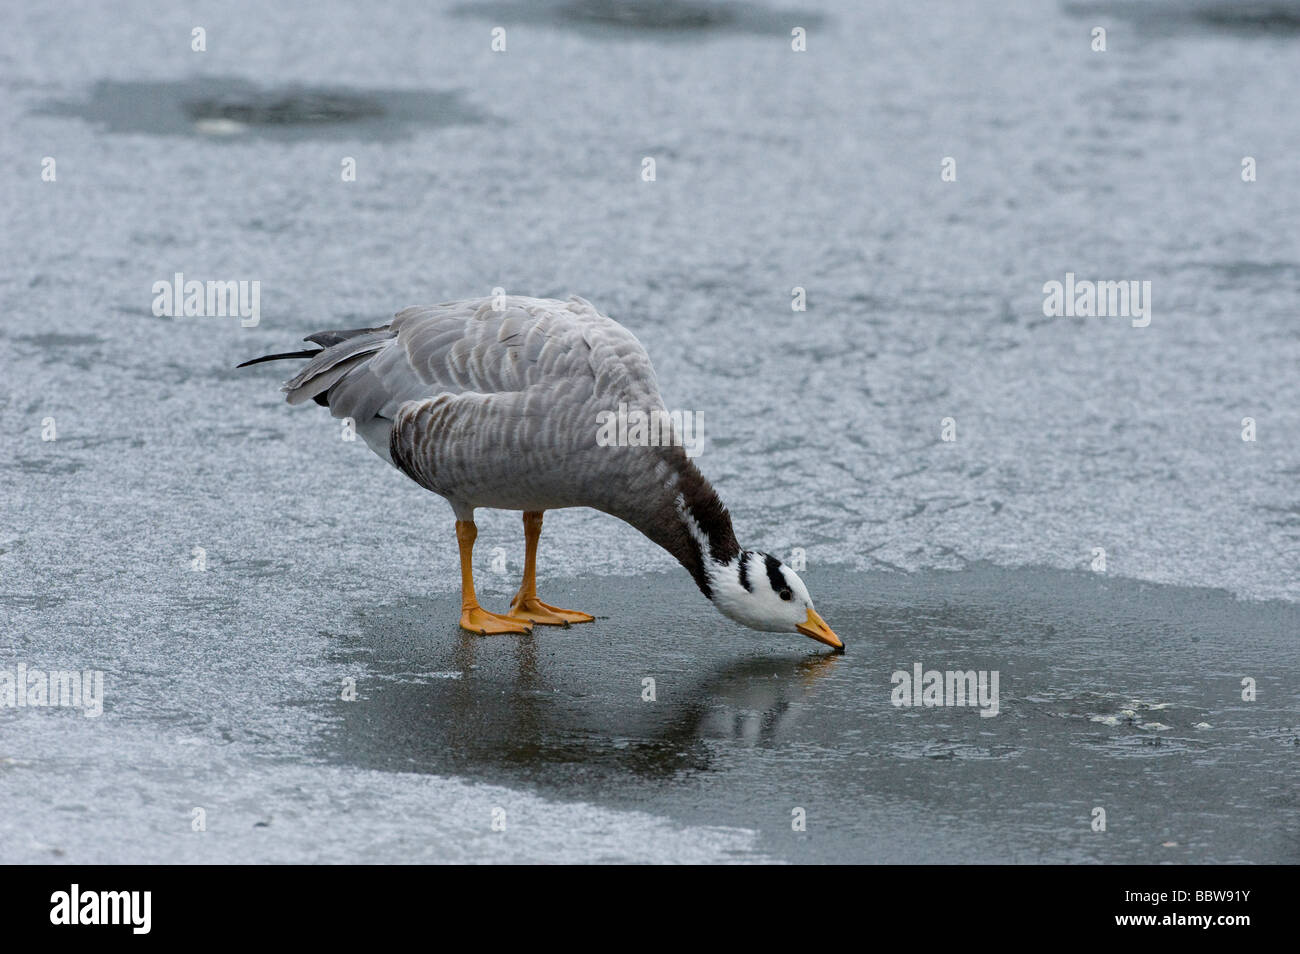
762	593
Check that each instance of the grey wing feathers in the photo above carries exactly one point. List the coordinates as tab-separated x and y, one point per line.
479	403
468	347
328	339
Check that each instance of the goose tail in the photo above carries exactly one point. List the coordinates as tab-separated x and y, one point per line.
339	353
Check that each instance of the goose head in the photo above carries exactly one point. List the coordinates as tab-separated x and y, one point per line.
759	591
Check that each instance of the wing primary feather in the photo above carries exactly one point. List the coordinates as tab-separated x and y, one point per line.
279	357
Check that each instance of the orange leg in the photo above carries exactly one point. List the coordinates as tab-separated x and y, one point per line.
526	605
472	616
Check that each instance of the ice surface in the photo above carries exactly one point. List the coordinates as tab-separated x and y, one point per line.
522	169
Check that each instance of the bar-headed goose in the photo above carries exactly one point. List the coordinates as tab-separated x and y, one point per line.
497	402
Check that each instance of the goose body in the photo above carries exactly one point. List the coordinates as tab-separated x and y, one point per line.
491	408
497	403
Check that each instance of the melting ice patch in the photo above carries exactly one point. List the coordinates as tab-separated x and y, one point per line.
230	108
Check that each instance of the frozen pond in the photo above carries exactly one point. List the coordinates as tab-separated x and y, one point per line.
774	169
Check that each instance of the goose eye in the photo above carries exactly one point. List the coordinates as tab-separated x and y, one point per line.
786	595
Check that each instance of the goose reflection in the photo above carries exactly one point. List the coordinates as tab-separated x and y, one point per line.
752	702
530	727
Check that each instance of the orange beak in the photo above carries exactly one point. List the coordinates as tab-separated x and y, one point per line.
815	627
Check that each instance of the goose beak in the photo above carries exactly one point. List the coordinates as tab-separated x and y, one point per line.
815	627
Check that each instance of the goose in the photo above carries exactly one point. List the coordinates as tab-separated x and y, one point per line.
495	403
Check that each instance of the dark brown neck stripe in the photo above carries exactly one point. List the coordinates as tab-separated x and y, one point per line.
662	515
